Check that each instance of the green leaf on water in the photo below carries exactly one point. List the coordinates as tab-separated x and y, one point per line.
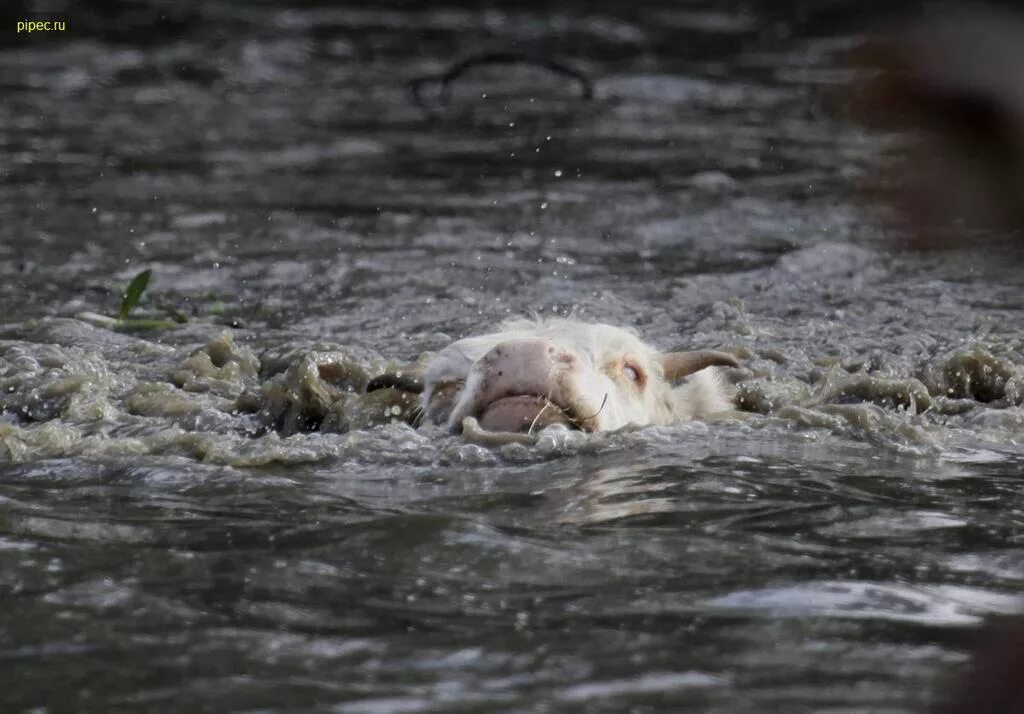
132	293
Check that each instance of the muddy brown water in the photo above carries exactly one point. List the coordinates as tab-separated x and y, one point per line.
832	548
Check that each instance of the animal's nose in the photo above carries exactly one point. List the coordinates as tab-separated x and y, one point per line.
528	368
524	366
530	354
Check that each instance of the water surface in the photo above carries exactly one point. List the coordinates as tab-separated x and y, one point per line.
833	548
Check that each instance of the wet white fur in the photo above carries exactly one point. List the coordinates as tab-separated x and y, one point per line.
599	350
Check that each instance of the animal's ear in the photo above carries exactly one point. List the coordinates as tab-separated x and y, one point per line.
677	365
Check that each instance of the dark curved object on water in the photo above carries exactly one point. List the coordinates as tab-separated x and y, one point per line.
404	382
446	78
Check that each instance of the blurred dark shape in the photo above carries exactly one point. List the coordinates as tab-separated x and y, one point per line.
959	79
994	681
544	97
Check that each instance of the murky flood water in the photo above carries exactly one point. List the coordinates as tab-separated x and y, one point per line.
173	535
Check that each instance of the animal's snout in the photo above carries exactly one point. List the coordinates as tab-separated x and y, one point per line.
520	385
524	366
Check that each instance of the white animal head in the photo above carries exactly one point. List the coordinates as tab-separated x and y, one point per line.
592	377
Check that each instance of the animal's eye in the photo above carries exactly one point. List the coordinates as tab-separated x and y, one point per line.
632	373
